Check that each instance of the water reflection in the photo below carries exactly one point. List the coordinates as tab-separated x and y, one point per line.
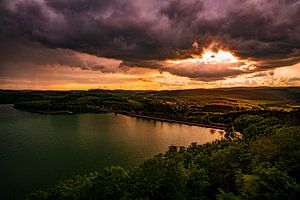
62	146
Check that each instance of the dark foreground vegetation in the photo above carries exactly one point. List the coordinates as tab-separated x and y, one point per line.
263	164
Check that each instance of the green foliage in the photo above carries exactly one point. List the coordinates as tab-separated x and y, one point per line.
158	178
40	195
281	150
110	184
245	121
198	183
262	127
267	183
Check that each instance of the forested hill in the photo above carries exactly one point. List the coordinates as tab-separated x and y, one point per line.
250	93
247	93
209	106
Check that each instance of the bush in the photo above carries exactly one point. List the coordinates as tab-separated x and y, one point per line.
245	121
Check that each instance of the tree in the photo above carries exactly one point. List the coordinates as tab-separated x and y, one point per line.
111	184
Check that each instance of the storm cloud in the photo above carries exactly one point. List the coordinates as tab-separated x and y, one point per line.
144	33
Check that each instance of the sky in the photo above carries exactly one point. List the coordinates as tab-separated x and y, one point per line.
148	44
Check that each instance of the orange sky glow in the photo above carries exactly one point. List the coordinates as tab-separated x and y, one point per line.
212	68
64	77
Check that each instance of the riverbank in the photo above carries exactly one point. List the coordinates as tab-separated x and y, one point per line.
45	112
217	126
59	111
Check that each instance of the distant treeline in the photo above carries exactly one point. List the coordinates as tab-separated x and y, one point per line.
211	109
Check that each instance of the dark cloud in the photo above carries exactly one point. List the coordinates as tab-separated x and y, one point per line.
294	79
143	33
31	55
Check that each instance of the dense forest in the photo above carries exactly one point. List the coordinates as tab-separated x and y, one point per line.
262	164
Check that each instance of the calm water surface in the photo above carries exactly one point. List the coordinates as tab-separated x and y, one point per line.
38	150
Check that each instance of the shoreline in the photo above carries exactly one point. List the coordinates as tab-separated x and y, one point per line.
44	112
216	126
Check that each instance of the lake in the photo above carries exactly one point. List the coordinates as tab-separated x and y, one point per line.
38	150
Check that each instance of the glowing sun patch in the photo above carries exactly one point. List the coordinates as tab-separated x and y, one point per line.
209	57
219	57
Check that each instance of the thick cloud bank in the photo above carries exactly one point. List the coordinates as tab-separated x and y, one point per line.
145	33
